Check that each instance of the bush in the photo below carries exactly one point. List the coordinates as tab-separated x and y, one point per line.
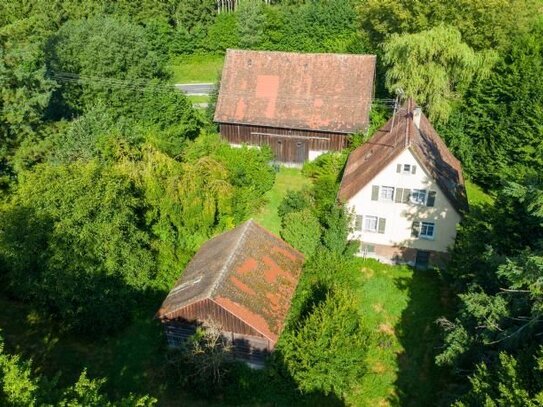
324	351
302	230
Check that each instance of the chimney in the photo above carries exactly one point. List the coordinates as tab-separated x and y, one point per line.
417	113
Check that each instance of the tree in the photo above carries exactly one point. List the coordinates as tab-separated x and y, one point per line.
496	273
250	23
94	255
25	89
17	386
507	384
101	59
324	351
302	230
483	24
499	124
434	67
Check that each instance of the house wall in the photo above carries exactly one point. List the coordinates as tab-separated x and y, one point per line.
400	216
288	145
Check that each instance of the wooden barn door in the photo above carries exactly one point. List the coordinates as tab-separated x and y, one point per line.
279	147
302	153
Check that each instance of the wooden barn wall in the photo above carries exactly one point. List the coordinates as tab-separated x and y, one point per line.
248	348
209	310
287	145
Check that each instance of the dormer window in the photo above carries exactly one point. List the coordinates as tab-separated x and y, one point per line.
406	169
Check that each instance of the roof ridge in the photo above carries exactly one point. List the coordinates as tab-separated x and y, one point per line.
230	259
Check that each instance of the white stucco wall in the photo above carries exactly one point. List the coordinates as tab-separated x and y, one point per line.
400	216
313	154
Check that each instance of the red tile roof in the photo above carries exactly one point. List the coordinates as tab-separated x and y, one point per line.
248	271
325	92
394	137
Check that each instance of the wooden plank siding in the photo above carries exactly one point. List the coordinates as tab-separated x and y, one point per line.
209	310
288	145
248	348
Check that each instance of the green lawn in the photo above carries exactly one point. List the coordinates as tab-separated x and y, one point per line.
199	98
285	180
476	195
399	308
196	68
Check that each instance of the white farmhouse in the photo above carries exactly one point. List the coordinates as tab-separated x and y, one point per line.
406	192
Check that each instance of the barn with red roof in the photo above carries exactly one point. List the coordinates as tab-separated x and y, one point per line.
300	105
242	281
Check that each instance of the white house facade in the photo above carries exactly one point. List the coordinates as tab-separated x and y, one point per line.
406	195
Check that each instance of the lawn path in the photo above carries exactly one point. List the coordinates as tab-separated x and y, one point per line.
286	179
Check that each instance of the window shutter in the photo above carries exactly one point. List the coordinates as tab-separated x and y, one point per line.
382	224
431	198
398	168
358	222
406	194
413	169
375	193
398	196
415	229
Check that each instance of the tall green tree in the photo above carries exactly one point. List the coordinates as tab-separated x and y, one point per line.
101	59
500	119
434	67
251	20
325	351
25	90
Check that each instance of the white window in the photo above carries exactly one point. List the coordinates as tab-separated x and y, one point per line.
418	196
406	169
370	223
427	230
387	194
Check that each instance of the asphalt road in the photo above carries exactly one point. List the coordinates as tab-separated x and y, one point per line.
195	89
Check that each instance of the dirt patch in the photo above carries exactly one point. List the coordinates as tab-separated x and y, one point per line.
379	368
378	307
386	329
367	272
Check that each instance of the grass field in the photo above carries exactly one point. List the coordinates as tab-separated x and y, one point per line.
285	180
399	308
196	68
198	98
476	195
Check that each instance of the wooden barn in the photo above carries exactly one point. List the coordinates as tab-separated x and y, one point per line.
242	281
301	105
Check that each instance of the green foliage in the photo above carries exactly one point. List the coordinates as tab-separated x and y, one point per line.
17	387
95	252
483	24
251	23
325	350
504	385
496	271
499	129
336	222
316	26
25	89
434	67
294	201
20	387
223	34
112	57
302	230
87	393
